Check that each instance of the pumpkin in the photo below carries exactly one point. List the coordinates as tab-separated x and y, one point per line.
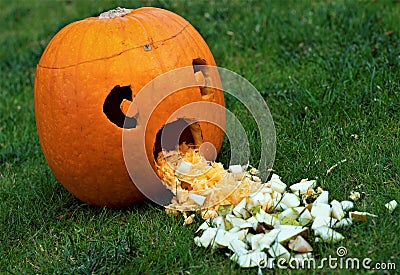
85	81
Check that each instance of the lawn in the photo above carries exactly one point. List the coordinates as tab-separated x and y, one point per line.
330	73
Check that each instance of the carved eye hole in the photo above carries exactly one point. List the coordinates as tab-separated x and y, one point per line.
202	77
115	107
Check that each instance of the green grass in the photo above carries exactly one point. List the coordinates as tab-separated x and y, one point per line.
330	72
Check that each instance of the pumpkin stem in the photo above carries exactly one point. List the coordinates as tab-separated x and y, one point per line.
117	12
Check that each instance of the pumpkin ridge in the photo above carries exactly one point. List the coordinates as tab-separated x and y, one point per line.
65	32
150	16
149	39
195	39
81	43
182	22
114	55
151	42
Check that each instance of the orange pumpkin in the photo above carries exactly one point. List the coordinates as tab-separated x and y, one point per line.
85	80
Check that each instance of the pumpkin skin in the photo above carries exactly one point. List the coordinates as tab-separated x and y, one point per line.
80	66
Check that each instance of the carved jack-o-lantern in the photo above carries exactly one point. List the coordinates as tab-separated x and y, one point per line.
88	75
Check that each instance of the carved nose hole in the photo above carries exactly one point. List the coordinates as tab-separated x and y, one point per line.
116	106
202	77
